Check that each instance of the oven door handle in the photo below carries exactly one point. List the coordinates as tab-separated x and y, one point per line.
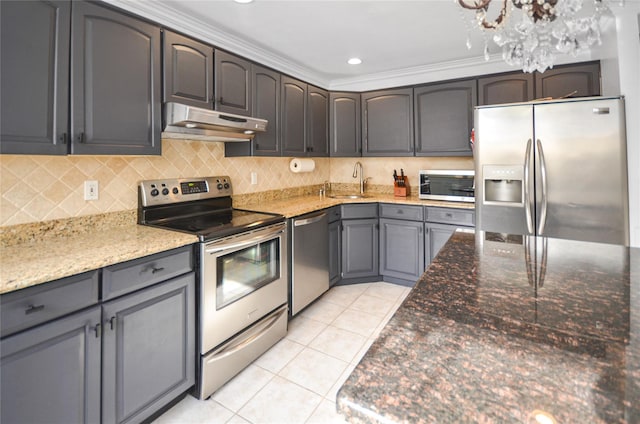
250	240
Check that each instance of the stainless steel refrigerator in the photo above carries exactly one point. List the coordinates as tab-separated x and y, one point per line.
554	168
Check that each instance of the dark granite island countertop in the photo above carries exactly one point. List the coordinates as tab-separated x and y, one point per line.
509	329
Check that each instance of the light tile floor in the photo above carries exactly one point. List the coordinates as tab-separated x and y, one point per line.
297	380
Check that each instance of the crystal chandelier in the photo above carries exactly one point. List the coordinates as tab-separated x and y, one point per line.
532	32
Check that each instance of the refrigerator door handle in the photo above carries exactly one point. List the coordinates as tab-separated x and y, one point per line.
543	177
527	192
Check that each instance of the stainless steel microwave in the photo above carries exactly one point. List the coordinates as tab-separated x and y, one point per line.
453	186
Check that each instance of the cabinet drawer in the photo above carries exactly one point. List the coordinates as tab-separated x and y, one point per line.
334	214
451	216
139	273
365	210
407	212
34	305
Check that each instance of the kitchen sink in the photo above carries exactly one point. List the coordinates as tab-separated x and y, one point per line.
348	196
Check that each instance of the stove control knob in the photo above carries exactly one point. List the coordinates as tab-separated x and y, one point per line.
226	185
165	191
155	192
219	186
175	190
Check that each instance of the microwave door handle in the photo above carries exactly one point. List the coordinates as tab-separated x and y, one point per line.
527	194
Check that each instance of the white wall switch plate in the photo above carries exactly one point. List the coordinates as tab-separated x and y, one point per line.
91	190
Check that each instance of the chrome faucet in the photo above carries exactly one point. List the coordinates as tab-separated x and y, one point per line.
357	166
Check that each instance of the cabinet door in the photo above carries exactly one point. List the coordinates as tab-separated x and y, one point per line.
51	373
508	88
344	125
233	84
317	143
359	248
115	83
387	122
561	81
401	249
294	113
266	105
35	76
334	252
444	118
188	71
437	236
148	350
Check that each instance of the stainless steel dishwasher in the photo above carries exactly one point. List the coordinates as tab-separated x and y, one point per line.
309	259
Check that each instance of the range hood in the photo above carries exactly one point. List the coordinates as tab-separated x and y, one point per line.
194	123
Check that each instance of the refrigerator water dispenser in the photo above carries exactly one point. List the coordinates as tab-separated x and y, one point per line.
503	184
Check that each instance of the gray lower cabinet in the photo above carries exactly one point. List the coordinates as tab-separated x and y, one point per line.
401	241
387	122
444	118
35	76
360	231
148	350
335	247
188	70
51	373
115	83
440	224
344	125
68	358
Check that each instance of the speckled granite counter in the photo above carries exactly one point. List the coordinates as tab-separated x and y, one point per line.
498	331
300	205
46	252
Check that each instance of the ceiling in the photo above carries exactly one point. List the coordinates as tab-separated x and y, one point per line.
312	39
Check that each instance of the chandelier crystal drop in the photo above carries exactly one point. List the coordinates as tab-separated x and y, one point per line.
532	32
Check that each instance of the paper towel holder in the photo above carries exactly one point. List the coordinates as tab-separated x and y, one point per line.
298	165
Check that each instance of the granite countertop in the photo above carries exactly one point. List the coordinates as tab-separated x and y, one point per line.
500	329
46	252
300	205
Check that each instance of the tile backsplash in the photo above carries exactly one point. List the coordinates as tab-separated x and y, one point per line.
40	188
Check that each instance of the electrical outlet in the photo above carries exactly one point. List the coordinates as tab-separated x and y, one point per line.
90	190
254	178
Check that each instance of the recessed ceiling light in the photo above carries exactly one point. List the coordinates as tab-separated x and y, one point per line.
243	1
354	61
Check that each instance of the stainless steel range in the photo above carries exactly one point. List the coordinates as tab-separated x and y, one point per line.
243	271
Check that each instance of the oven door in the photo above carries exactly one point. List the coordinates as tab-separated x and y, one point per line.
243	278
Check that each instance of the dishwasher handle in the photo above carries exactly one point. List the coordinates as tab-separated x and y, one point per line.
309	220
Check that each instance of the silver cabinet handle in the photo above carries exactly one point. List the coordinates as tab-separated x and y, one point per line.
527	195
545	199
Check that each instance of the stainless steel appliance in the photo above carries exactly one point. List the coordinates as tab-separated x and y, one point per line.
556	169
310	259
183	121
453	186
242	271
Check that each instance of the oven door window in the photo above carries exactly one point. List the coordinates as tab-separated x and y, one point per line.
244	271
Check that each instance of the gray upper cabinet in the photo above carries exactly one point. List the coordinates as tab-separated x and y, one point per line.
188	71
562	81
387	123
266	105
293	111
344	125
232	84
115	83
317	141
35	76
506	88
444	118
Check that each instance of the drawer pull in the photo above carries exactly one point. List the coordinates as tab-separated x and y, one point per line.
33	308
154	270
449	215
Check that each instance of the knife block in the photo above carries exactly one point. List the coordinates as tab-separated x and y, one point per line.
400	191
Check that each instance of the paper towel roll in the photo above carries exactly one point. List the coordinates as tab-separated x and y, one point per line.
302	165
